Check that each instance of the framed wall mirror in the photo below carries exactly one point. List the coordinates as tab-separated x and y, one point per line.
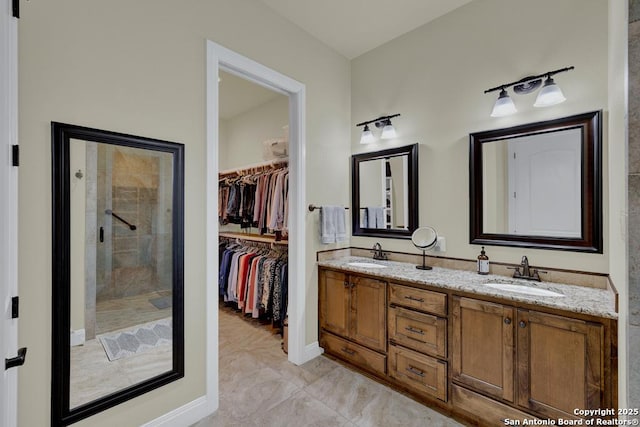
538	185
118	238
384	192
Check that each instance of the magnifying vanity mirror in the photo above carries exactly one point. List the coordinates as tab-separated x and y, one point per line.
384	192
117	315
538	185
424	238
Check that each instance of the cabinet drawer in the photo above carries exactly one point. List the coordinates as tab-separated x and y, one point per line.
487	411
354	353
419	331
419	372
420	299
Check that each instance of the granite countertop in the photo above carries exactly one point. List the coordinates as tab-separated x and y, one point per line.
578	299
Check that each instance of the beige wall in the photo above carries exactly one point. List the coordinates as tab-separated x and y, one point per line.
245	133
435	77
139	68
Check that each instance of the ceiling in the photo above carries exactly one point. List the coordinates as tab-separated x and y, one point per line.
353	27
350	27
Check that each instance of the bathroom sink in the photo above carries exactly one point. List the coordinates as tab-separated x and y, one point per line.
366	265
522	289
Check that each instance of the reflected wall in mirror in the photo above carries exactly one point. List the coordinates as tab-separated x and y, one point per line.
118	268
384	192
538	185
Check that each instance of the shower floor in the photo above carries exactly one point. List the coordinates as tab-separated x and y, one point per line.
92	375
125	312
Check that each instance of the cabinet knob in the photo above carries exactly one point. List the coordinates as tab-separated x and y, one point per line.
346	284
507	320
522	324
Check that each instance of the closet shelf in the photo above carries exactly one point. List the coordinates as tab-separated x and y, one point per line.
253	237
269	164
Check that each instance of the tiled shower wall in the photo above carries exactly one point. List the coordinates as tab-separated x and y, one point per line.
634	203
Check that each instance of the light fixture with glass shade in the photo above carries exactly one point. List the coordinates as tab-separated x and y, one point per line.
388	131
384	122
367	136
549	95
504	105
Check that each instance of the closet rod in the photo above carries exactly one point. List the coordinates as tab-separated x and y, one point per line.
275	162
253	237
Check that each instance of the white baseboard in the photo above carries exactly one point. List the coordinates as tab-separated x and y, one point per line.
185	415
77	337
311	351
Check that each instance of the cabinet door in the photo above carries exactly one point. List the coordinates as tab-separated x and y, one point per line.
559	364
368	312
334	290
483	346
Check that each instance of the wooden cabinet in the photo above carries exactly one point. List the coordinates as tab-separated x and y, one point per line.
353	307
418	340
486	360
560	364
420	372
418	331
556	362
483	346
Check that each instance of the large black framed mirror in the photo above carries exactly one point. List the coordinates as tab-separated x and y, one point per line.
384	192
118	243
538	185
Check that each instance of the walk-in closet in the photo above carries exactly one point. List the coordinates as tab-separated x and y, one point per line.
253	214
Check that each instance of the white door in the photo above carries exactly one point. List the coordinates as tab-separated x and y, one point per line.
545	181
8	211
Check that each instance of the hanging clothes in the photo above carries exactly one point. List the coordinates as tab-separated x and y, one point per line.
255	200
255	279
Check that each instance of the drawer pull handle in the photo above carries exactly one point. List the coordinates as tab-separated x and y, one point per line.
507	321
414	330
412	298
348	351
522	324
346	284
415	371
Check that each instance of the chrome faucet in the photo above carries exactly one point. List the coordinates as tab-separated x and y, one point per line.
525	266
526	271
377	252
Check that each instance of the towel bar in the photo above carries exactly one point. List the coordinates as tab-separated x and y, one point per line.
314	207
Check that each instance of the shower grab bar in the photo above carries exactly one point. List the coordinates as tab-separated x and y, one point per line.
112	213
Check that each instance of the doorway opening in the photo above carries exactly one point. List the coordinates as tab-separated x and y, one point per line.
253	183
220	58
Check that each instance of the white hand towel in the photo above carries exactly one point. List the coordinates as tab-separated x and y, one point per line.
375	217
332	224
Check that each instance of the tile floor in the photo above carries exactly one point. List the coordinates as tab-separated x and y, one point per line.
259	387
92	375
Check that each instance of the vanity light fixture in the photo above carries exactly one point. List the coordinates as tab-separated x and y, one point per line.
549	95
367	135
384	122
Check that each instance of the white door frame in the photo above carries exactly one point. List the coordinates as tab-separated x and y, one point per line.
8	211
219	57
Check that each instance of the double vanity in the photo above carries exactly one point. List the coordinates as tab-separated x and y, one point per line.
484	348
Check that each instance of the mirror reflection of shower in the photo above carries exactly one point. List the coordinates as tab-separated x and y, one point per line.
121	278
